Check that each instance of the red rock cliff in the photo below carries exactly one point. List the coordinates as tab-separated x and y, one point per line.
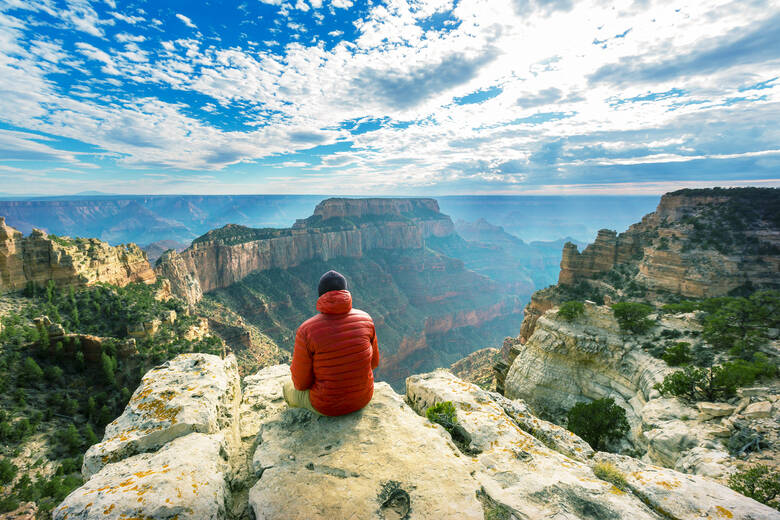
338	228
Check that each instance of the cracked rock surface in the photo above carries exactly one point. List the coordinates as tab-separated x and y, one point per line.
257	459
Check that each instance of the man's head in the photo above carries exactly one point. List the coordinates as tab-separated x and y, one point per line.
331	281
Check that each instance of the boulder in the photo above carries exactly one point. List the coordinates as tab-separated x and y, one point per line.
758	410
262	398
191	393
756	391
185	479
384	461
515	469
685	497
709	411
666	444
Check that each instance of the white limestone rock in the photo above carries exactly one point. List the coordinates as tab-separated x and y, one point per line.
553	436
514	468
685	497
668	442
709	411
381	462
262	398
185	480
758	410
190	393
563	363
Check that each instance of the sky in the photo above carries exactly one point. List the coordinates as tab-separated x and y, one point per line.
402	97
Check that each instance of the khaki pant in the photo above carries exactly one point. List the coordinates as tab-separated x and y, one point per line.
297	398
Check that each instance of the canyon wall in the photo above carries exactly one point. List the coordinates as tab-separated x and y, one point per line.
338	228
429	308
698	243
39	258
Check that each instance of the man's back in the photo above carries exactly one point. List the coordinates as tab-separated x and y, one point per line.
335	353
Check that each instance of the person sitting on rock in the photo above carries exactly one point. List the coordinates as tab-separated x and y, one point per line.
334	355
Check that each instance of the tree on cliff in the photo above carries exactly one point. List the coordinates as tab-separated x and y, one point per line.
598	423
569	311
632	317
740	324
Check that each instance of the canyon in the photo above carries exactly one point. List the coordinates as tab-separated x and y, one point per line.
430	309
697	244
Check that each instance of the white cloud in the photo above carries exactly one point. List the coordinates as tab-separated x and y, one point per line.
126	37
545	115
93	53
186	20
335	34
130	19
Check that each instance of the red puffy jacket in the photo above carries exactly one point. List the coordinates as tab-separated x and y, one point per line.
335	353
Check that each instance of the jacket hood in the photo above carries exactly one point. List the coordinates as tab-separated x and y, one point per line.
335	302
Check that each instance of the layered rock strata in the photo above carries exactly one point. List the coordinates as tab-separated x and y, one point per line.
338	228
383	462
698	243
191	393
39	258
564	363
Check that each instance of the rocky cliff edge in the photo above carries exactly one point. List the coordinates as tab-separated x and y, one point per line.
40	257
191	445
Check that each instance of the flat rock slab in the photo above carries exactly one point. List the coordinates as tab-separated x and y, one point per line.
184	480
686	497
517	470
710	410
758	410
382	462
191	393
262	398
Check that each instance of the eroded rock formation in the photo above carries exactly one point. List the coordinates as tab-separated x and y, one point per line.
385	461
698	243
428	307
564	362
338	228
39	258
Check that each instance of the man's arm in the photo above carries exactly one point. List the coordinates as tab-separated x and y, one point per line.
301	366
374	352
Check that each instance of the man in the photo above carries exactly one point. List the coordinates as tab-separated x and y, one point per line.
335	354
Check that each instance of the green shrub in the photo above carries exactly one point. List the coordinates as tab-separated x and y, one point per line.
598	422
678	354
700	384
8	503
7	471
745	373
740	325
71	439
680	307
608	472
443	413
759	483
498	512
569	311
632	317
31	373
